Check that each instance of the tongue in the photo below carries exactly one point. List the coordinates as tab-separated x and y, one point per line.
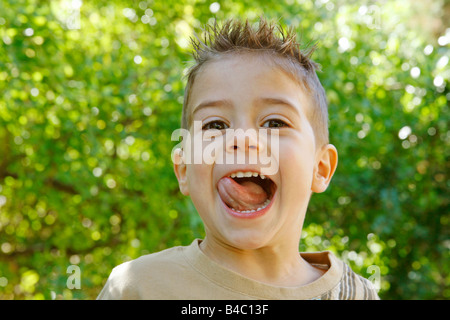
244	196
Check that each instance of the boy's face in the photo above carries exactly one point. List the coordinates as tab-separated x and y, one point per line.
245	92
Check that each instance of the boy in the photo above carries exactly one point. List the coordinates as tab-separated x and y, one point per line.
247	79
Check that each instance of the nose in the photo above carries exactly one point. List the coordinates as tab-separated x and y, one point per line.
244	141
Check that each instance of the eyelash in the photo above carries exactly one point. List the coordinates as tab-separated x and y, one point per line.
209	125
279	121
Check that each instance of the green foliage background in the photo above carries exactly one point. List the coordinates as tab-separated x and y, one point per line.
86	117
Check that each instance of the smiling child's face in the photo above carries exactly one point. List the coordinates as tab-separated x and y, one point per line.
244	91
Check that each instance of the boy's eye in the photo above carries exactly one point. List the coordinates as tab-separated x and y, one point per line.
216	124
274	123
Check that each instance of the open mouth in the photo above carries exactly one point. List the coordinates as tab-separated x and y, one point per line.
246	191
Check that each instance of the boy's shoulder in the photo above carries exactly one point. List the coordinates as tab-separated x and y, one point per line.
351	286
130	279
158	259
342	282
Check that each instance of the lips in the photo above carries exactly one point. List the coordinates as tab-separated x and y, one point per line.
246	193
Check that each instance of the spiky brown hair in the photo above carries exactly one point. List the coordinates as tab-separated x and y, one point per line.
269	39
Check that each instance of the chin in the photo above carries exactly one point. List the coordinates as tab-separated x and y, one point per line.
244	231
246	239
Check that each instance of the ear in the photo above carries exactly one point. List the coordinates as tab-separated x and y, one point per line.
179	167
326	163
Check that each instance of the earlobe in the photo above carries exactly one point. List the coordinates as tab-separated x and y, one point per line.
326	164
179	167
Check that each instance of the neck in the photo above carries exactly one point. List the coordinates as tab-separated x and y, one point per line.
273	265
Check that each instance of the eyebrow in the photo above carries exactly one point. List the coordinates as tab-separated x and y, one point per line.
211	104
278	101
229	103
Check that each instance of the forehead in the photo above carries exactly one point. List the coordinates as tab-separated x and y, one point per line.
244	78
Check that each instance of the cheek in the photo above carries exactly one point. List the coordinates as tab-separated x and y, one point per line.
197	175
296	163
200	184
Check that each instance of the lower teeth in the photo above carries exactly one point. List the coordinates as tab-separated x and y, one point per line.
265	204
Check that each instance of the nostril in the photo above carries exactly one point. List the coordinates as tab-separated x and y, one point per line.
235	147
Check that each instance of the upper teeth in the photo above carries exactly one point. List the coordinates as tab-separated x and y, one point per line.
246	174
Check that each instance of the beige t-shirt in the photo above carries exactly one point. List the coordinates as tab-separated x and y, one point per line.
186	273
